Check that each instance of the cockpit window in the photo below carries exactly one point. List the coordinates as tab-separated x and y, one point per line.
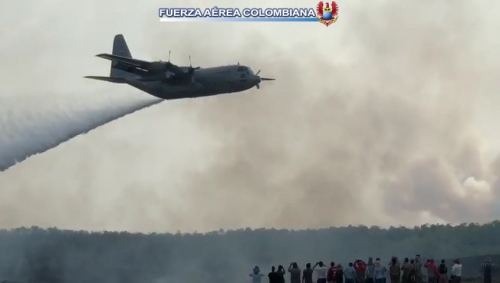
240	69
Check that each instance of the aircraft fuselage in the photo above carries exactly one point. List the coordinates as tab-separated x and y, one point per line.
204	82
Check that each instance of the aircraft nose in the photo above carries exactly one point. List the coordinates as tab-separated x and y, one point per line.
257	79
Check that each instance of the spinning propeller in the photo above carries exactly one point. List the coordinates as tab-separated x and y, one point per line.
191	69
262	79
160	66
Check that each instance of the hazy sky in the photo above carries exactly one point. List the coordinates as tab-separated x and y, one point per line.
388	117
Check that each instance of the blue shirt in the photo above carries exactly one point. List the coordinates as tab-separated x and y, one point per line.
349	272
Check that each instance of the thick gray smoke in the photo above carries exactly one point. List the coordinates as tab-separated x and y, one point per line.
379	119
33	125
380	126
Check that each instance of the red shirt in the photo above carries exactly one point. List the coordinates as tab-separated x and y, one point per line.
330	276
433	267
360	266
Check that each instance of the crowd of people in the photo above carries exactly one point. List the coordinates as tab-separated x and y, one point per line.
358	271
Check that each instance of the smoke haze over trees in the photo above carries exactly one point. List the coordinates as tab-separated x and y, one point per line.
52	255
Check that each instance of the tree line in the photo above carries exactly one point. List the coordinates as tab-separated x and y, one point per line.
53	255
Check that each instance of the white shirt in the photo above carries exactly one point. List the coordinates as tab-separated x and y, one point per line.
256	277
321	272
456	270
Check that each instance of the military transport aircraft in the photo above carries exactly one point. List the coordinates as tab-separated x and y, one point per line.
168	81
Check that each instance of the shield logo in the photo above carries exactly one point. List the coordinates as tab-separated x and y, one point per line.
327	14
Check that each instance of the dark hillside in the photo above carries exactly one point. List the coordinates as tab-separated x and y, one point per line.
52	255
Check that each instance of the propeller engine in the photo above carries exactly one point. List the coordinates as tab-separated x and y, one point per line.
162	71
262	79
191	69
160	68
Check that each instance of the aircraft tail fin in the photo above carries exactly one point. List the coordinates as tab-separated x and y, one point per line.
119	70
120	46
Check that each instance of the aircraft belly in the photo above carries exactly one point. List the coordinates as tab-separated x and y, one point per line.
179	91
219	83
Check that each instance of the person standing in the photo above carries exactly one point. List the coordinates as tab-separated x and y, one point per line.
331	275
307	275
340	273
379	272
395	270
369	270
272	275
294	272
443	272
280	274
321	269
350	273
486	269
456	271
360	267
256	275
410	269
432	271
418	270
404	268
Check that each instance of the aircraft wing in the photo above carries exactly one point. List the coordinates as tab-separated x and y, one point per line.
149	71
127	61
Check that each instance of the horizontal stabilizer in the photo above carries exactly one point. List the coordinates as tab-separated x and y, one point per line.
126	61
108	79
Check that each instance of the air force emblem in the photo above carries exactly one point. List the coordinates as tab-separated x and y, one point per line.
327	15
